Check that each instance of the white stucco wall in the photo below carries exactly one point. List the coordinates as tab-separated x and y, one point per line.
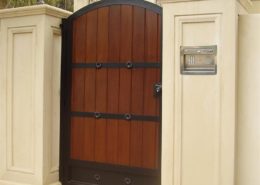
248	132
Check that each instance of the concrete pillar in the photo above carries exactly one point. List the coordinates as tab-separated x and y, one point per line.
199	111
30	44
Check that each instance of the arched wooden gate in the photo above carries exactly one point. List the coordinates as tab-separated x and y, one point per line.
110	94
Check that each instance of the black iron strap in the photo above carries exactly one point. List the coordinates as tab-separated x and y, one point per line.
127	116
128	65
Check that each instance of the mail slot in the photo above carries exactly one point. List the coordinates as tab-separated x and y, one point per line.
199	60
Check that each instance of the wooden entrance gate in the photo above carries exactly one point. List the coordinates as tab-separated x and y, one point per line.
110	94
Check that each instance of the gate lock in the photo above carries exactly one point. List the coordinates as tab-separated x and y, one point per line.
157	89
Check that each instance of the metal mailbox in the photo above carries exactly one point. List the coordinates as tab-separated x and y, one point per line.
198	60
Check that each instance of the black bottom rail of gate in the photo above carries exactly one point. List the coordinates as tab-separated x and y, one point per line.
91	173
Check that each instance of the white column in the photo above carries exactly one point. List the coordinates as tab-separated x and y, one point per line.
248	135
30	44
199	112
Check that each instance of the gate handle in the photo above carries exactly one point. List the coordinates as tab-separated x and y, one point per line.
157	89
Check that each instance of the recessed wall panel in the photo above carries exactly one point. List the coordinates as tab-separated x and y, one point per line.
197	120
55	124
20	100
198	33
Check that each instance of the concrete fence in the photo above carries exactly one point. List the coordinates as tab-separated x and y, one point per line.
210	126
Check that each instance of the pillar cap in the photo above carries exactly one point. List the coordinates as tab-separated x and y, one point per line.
42	9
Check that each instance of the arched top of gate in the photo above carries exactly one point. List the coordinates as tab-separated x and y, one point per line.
105	3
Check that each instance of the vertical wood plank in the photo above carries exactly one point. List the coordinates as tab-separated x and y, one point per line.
90	81
159	58
116	33
77	89
77	125
113	82
125	85
77	138
151	54
137	87
158	102
101	84
77	94
79	29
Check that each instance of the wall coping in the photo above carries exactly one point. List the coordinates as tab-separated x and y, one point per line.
176	1
247	4
43	9
252	6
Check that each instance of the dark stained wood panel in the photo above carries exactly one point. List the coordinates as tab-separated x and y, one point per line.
90	90
90	86
149	157
77	91
101	85
159	58
77	138
91	36
79	29
106	149
151	55
89	123
89	138
118	33
125	85
137	94
138	56
158	101
103	35
90	56
113	82
136	144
